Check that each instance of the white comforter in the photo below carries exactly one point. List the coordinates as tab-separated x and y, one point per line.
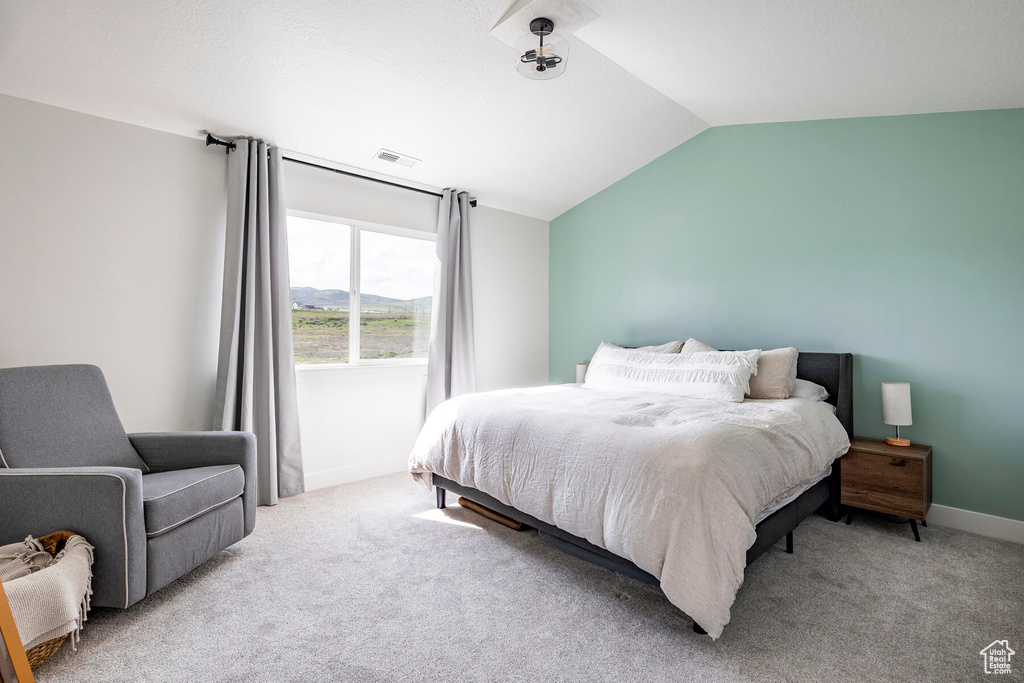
672	484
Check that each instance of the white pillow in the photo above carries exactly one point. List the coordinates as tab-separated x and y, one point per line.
694	346
719	376
804	389
775	374
669	347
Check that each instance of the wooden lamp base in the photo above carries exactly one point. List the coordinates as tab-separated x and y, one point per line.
897	441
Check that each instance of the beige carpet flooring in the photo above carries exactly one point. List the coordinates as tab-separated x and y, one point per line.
368	582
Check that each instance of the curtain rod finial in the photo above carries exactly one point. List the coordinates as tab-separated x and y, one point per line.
210	140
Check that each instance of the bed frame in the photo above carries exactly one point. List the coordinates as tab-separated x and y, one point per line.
834	371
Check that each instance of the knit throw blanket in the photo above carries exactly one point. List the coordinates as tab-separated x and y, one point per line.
49	595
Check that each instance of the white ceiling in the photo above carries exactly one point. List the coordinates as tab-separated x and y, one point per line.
752	61
340	79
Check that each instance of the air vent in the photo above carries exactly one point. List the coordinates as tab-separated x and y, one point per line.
396	158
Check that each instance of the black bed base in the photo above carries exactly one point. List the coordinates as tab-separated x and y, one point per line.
770	530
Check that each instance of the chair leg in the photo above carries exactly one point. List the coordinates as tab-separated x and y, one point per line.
789	543
440	497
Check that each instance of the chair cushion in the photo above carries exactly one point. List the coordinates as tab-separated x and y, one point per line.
61	416
172	498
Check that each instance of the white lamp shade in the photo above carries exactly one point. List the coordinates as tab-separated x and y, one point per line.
896	404
581	372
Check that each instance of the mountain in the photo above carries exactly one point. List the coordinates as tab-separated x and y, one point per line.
310	296
339	298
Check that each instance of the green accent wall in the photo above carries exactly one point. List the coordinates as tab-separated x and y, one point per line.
899	239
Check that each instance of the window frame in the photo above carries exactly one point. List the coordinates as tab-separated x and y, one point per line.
356	227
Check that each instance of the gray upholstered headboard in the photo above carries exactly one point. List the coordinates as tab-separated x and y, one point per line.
834	371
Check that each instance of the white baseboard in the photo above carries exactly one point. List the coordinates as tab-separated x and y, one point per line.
357	472
978	523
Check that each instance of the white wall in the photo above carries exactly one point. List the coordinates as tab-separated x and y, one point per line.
510	298
361	422
319	191
111	252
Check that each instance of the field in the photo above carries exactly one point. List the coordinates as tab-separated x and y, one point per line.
322	336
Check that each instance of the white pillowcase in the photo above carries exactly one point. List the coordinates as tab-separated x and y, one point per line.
776	370
669	347
718	375
804	389
694	346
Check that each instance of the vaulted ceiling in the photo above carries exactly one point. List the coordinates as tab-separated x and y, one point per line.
338	80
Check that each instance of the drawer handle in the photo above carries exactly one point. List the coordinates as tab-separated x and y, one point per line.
898	463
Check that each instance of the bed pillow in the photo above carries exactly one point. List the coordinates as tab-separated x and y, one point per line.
669	347
804	389
694	346
776	370
776	373
719	375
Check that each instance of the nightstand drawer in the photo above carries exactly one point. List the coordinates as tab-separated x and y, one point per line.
884	483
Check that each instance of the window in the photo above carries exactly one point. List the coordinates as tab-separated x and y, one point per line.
360	292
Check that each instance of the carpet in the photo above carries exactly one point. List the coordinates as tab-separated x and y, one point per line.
368	582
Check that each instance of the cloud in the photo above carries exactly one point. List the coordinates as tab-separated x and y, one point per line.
391	266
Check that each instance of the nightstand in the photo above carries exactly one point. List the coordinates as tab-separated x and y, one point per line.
895	480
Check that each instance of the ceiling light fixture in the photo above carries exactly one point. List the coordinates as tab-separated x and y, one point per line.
546	60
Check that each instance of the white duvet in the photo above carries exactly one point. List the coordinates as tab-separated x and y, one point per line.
672	484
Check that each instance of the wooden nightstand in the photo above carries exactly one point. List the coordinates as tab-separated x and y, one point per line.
896	480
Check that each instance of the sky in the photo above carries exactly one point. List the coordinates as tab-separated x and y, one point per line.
391	266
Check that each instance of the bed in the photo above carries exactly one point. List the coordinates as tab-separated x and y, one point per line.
694	545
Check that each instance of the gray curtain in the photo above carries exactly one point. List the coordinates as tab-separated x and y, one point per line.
450	363
255	368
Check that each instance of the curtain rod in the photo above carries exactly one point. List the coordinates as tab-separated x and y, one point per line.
210	140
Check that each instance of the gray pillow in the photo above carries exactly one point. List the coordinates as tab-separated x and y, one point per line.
776	373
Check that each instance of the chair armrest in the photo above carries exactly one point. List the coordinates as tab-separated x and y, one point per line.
185	450
103	504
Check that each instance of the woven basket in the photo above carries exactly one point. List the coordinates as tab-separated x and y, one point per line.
38	655
53	544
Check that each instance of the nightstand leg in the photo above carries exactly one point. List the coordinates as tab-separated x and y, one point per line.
924	523
440	497
917	536
849	518
789	543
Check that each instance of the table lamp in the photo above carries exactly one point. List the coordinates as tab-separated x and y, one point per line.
896	409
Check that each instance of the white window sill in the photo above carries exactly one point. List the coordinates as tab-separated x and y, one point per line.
332	372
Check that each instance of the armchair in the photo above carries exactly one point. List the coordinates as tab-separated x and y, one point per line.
154	506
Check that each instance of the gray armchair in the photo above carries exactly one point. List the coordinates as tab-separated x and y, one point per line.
155	506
